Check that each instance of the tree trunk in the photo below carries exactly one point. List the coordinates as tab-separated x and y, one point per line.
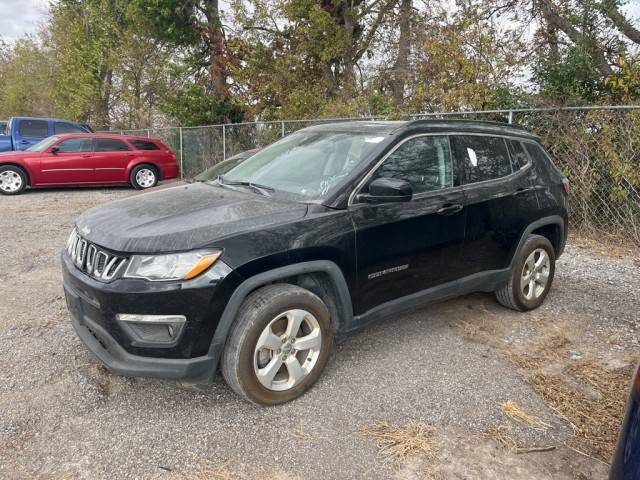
401	65
218	72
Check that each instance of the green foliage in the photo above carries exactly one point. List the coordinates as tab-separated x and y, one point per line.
190	106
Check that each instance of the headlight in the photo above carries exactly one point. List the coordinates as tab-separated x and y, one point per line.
173	266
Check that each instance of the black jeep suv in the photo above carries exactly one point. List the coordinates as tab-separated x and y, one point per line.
313	237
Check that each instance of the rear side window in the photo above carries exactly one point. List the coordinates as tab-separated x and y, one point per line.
482	157
33	128
111	145
518	155
75	145
64	127
144	145
423	161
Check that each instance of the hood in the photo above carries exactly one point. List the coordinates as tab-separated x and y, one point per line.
181	218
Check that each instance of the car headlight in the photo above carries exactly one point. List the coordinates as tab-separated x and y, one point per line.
173	266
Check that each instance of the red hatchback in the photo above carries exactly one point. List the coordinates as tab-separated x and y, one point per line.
87	159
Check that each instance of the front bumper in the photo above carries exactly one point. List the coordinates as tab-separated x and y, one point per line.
93	307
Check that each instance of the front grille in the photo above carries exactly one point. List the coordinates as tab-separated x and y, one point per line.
93	260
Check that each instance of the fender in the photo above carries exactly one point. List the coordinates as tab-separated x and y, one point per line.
139	161
542	222
343	301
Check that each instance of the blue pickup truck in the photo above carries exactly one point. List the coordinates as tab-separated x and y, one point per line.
20	133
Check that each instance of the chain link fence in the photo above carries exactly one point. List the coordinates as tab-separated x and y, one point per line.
597	148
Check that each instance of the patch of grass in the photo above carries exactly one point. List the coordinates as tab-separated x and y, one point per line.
514	411
595	419
399	443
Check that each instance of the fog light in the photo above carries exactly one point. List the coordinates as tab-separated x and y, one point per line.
152	330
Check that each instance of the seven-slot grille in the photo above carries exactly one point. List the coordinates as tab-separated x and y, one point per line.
92	260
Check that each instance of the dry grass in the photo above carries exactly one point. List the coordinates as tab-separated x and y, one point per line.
502	434
514	411
594	415
398	443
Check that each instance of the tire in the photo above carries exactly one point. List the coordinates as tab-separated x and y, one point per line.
144	176
520	294
265	316
13	180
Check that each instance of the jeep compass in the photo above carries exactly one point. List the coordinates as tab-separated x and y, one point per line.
324	231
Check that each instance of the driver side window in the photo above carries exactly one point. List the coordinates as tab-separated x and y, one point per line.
425	162
75	145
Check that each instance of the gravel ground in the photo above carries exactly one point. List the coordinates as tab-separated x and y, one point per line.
64	416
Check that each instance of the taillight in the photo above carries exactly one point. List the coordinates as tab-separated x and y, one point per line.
565	185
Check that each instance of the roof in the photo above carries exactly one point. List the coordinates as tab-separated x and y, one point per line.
396	127
105	135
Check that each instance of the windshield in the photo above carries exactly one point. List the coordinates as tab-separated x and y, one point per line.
309	164
221	168
42	144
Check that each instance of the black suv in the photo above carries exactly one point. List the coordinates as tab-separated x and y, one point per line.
313	237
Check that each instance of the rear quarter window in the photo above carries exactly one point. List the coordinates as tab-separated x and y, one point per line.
144	145
519	156
33	128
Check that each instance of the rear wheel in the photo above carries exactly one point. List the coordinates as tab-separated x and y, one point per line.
144	176
531	275
279	344
13	180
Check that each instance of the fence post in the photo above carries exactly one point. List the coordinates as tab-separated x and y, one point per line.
181	155
148	133
224	142
282	128
510	116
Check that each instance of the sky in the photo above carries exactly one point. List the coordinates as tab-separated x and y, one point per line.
19	17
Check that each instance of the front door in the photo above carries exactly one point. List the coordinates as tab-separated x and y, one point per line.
70	163
406	247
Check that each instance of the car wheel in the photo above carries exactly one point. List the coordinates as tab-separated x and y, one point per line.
531	275
144	176
278	345
13	180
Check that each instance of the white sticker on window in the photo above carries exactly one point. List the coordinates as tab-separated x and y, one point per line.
373	139
472	156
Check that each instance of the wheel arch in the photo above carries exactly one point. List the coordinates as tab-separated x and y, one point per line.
142	161
322	277
21	167
552	227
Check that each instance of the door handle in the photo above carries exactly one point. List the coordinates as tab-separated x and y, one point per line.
449	209
24	142
521	191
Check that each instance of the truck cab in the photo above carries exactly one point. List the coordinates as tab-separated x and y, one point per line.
20	133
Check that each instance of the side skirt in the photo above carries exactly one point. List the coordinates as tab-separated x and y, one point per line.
479	282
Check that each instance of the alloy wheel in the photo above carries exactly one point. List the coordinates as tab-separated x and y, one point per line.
287	350
535	274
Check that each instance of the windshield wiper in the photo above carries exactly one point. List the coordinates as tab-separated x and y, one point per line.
262	189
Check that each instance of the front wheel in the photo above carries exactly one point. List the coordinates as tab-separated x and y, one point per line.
279	344
143	176
13	180
531	275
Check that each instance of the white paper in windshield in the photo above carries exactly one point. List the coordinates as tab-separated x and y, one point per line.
373	139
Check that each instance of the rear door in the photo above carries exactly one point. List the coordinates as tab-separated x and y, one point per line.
499	199
406	247
70	164
112	155
28	132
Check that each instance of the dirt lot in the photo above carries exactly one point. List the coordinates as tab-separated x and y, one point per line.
463	389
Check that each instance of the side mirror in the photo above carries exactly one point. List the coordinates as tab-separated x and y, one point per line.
386	189
54	150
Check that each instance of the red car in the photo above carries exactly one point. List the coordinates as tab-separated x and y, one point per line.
87	159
